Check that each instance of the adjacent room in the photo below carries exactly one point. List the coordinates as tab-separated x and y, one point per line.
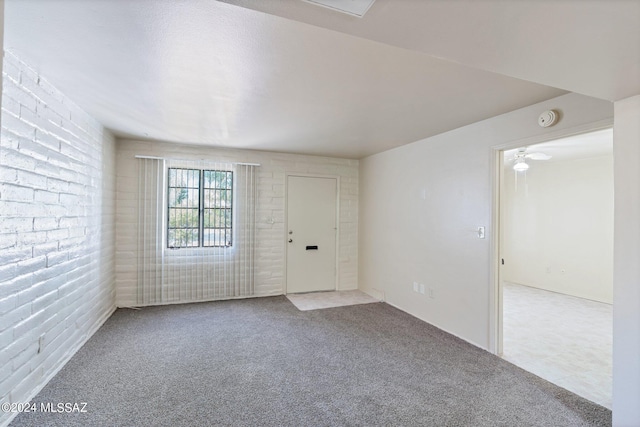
556	246
250	212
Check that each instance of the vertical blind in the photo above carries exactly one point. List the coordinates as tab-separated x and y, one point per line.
196	230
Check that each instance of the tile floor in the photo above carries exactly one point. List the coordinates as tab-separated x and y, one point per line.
318	300
563	339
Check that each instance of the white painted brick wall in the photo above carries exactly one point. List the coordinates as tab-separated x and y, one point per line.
270	237
57	212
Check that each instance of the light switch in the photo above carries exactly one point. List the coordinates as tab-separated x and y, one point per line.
480	232
422	288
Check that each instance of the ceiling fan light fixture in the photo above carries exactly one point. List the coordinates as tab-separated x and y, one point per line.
520	165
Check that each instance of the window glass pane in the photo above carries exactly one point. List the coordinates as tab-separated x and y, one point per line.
217	237
207	238
173	219
209	218
227	215
193	238
183	195
193	198
179	196
186	222
190	218
171	238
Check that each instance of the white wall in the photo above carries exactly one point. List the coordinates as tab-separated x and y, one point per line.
420	207
558	227
270	235
626	267
57	272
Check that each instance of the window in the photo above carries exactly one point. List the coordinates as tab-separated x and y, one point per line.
200	212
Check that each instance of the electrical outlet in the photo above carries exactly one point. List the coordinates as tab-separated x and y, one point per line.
422	288
415	286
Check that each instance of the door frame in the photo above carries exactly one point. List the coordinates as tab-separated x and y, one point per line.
496	168
286	223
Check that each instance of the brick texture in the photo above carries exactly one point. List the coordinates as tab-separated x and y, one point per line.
57	211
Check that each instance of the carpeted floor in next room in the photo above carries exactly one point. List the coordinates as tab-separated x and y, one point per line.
263	362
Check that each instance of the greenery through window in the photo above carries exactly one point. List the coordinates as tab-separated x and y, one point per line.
200	208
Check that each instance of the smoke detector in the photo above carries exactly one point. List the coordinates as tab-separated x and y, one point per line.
351	7
548	118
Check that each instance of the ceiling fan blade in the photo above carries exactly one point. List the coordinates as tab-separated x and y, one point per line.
538	156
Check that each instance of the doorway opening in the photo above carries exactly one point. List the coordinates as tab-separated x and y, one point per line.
555	261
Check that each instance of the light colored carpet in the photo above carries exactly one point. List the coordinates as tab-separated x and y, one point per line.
319	300
561	338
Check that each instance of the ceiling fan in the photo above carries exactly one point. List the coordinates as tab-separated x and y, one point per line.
520	159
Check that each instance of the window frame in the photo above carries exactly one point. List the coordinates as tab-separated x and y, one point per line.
228	230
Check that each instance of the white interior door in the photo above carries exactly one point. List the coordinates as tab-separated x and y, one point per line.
312	228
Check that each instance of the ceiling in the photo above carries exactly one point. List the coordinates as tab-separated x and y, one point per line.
287	75
590	47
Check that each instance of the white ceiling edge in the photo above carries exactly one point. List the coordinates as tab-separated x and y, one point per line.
355	8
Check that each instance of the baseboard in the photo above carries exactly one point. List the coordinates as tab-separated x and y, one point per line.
64	361
439	327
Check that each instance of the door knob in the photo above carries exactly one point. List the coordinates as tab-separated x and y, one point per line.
290	240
